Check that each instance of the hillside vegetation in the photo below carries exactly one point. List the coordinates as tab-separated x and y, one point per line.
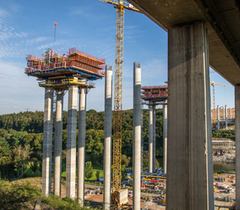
21	140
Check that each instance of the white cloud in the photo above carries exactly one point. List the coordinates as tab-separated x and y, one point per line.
18	91
36	40
3	13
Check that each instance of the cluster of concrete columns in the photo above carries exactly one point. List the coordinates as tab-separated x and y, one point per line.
224	118
152	138
71	142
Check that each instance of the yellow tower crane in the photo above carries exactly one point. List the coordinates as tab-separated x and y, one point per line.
213	90
120	5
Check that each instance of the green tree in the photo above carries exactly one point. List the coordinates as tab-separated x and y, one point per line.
88	170
125	160
21	154
5	157
123	172
98	174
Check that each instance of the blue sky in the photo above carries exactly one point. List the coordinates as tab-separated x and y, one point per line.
27	27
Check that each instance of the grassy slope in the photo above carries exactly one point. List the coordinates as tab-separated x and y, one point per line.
93	178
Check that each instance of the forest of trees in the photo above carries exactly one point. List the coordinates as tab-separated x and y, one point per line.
21	140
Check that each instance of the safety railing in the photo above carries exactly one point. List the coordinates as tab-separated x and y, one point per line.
60	65
155	87
74	50
150	95
65	64
34	57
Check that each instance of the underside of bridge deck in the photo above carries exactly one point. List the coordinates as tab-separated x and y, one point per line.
222	20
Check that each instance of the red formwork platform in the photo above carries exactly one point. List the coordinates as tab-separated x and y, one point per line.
57	63
154	93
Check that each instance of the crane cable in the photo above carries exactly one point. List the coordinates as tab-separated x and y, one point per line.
55	23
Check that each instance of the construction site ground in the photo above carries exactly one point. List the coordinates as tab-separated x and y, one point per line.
221	197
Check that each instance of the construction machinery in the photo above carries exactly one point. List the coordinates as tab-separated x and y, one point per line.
163	199
213	94
120	5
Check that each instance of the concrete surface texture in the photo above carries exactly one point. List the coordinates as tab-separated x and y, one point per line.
223	113
154	138
71	141
107	138
237	144
136	135
47	142
81	144
165	138
189	160
150	140
58	144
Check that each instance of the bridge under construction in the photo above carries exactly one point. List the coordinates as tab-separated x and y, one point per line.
73	72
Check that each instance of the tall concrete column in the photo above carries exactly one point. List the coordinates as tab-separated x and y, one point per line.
107	138
223	118
150	140
58	144
189	157
154	138
47	142
218	118
71	141
230	113
81	145
136	136
165	137
226	118
237	144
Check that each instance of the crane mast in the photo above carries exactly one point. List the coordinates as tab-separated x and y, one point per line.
117	120
120	5
213	90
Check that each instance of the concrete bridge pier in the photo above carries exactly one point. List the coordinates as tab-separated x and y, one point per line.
107	138
71	141
226	118
154	138
47	141
136	136
237	143
150	140
218	117
165	137
81	145
58	143
189	156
